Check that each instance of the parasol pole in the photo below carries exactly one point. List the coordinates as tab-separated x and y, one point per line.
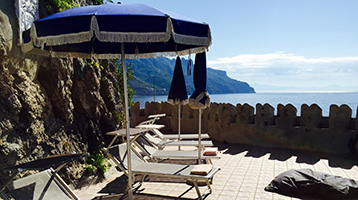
130	181
199	137
179	125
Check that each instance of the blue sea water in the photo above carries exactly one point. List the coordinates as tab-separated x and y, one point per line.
324	100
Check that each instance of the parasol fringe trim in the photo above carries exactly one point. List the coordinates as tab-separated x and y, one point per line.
115	56
60	40
192	40
63	39
178	102
132	37
105	36
102	36
196	104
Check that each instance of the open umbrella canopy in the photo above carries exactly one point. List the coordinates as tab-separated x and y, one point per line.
96	31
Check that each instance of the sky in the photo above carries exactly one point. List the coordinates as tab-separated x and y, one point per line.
279	45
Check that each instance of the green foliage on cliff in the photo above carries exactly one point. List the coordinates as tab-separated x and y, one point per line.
119	77
95	65
54	6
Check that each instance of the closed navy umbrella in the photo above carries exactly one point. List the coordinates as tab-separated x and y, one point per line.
177	93
115	31
200	99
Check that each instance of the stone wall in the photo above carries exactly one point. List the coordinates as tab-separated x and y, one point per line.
242	125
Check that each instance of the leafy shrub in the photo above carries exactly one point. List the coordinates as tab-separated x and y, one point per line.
97	161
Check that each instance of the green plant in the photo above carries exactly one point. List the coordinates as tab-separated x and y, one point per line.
67	4
97	160
118	116
54	6
119	80
98	2
118	74
95	65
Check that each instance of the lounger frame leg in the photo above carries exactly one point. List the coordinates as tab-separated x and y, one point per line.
63	184
3	195
207	192
7	183
197	189
126	173
137	185
208	161
9	180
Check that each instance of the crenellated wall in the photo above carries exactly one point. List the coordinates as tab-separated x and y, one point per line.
240	124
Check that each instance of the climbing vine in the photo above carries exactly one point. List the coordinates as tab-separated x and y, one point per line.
119	84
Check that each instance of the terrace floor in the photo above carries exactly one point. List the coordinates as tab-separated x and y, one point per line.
245	171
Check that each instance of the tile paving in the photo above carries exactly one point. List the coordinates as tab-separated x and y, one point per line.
245	171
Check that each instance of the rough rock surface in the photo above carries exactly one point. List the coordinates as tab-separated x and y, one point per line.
49	105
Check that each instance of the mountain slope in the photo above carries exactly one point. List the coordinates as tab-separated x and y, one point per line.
161	69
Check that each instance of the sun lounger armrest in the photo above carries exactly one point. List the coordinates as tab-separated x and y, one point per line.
213	172
209	176
157	116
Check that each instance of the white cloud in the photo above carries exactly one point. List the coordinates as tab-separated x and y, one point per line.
288	70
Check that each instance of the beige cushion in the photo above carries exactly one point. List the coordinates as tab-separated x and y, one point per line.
210	151
202	169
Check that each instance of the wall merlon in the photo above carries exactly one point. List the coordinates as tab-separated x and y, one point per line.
339	117
265	115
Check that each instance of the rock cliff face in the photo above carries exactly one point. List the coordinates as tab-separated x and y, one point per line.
49	105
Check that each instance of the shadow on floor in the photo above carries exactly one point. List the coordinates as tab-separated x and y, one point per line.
117	186
345	162
137	196
116	189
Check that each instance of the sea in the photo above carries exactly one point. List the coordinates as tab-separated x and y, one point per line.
322	99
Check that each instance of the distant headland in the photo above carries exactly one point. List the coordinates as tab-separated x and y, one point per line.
161	69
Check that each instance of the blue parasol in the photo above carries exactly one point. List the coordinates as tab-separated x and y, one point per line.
117	31
97	30
200	99
177	93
